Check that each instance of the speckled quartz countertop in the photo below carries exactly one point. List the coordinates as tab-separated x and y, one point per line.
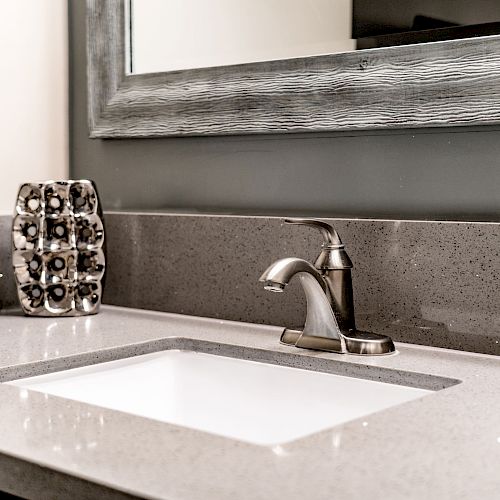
442	446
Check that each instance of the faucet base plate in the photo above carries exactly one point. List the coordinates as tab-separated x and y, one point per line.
295	338
366	343
290	337
357	342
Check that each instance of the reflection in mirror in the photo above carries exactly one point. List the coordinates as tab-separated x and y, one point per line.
182	34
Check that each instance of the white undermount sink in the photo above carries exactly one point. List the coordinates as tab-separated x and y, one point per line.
250	401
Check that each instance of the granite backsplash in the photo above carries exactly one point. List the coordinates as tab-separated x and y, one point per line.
431	283
8	296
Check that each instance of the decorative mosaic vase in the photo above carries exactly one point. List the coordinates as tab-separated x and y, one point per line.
57	248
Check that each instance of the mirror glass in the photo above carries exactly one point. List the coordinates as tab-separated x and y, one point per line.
169	35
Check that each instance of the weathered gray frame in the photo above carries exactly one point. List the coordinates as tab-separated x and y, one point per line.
429	85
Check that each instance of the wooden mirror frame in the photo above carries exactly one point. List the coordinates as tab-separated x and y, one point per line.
427	85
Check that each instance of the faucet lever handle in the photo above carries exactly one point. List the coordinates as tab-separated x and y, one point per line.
330	236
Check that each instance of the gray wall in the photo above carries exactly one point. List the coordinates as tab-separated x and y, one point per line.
429	174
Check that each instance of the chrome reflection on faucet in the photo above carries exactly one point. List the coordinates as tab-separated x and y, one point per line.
329	324
58	248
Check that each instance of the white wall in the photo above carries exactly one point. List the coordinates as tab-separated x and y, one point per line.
180	34
33	94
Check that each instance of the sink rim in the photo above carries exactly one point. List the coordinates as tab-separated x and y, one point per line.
333	364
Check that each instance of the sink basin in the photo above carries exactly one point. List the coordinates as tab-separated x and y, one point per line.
251	401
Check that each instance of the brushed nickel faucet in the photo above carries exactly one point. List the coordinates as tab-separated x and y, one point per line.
329	324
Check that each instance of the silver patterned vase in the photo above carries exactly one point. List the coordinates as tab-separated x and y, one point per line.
58	248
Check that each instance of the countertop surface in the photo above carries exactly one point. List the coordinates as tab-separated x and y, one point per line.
442	446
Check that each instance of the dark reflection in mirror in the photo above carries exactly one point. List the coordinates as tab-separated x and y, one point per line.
387	23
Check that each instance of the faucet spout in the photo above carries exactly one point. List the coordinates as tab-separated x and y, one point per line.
279	274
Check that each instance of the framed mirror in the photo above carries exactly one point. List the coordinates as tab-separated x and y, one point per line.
183	67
